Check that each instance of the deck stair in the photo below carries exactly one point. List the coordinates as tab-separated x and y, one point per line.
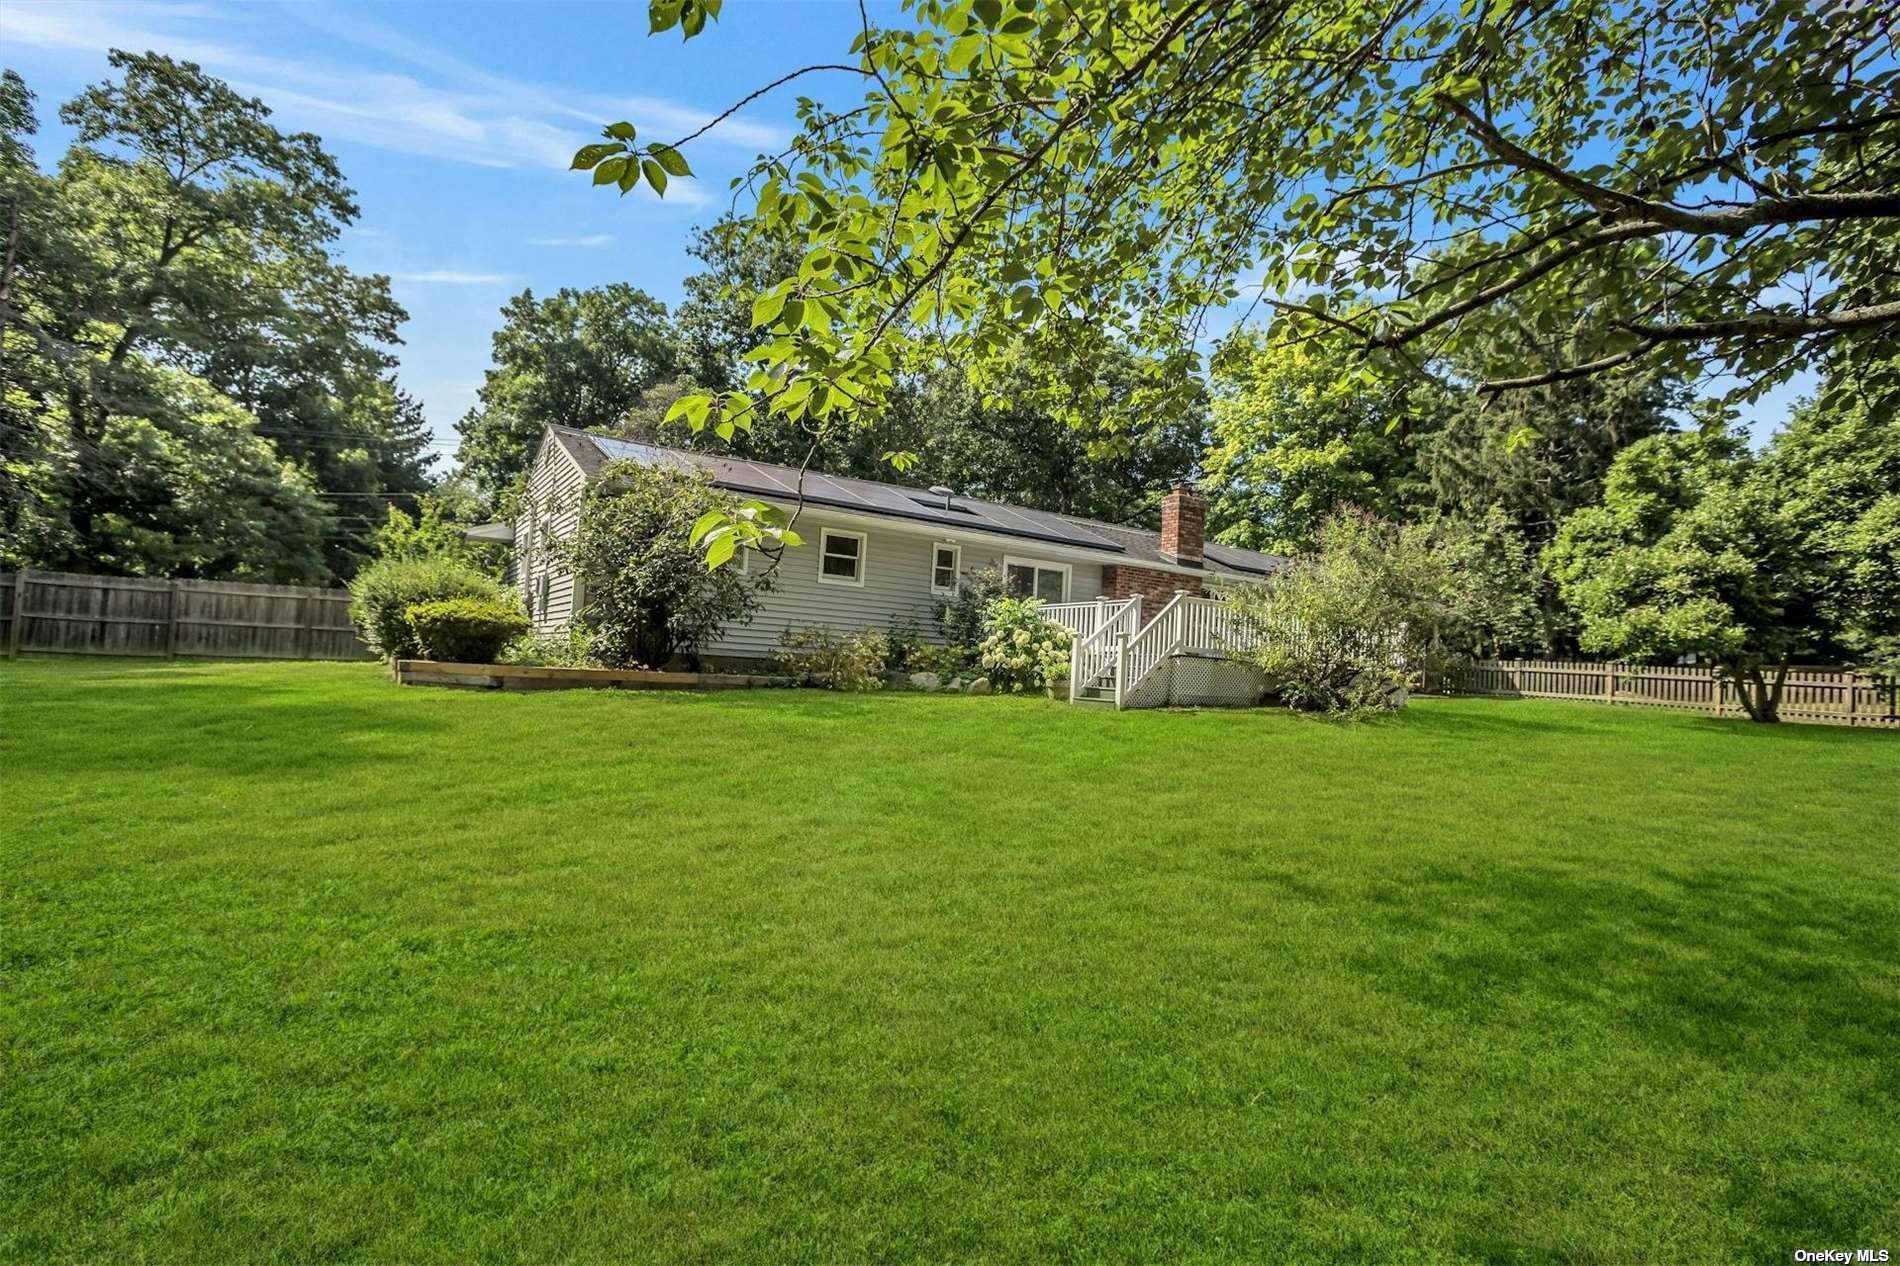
1116	652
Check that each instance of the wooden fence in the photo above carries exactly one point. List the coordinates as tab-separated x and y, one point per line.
69	614
1821	696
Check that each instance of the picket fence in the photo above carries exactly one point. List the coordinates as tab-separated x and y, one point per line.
69	614
1819	696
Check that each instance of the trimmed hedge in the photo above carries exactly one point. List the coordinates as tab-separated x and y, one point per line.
383	592
466	630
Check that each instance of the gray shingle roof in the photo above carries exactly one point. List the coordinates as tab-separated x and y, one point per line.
1117	543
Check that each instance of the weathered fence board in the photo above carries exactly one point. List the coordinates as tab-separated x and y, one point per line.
69	614
1821	696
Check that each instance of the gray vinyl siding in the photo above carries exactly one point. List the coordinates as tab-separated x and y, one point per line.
554	480
896	586
897	570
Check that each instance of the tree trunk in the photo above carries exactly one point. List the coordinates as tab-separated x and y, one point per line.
1772	709
1760	700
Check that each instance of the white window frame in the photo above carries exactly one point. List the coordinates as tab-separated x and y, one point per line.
824	542
956	566
1041	564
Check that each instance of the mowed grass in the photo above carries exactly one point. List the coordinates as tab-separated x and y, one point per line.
301	966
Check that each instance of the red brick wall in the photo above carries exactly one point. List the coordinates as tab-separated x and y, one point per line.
1119	580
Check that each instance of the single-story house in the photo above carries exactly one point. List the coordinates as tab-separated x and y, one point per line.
878	553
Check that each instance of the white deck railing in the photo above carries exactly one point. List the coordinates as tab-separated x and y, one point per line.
1085	618
1093	654
1185	624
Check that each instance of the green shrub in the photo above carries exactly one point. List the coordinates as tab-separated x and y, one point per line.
1022	649
840	663
572	647
961	615
650	595
945	661
1346	628
383	592
907	646
466	630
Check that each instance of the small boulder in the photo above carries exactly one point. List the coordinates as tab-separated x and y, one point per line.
954	685
926	681
981	686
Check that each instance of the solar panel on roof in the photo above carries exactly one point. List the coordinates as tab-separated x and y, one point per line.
765	480
1239	559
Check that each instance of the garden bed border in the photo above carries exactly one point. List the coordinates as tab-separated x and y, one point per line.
426	672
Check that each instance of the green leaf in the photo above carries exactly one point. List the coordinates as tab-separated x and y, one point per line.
766	307
720	551
588	155
621	131
656	176
988	12
963	53
611	170
671	159
1459	89
692	408
705	523
661	15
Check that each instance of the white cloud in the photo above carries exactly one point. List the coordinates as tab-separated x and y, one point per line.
439	105
590	239
456	277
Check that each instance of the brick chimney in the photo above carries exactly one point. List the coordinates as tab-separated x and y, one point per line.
1183	525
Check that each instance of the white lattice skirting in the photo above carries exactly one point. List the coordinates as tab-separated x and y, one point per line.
1199	681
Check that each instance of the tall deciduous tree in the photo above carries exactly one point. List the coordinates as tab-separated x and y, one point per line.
739	260
1298	436
1751	562
1679	185
579	358
1835	474
184	233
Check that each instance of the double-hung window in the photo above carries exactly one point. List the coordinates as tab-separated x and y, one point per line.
944	560
1033	578
840	557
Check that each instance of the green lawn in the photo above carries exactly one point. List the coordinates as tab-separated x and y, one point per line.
297	965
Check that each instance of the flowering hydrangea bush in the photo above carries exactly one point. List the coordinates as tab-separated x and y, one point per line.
1021	648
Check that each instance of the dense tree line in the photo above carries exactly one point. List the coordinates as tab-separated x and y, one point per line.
1643	524
193	385
612	359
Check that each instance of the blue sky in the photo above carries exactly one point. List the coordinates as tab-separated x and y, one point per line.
455	123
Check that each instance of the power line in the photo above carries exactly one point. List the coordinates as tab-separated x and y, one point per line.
361	436
372	494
